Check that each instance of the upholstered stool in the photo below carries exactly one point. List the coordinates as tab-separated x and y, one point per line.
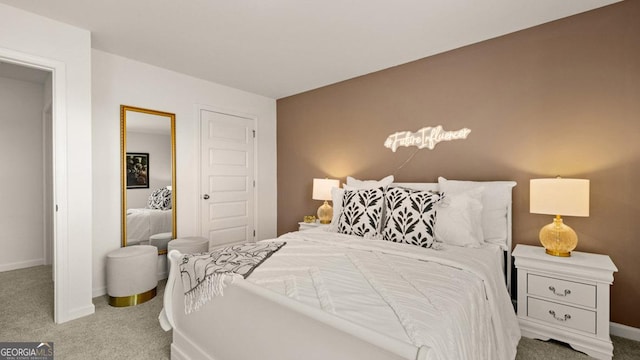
131	275
188	245
160	240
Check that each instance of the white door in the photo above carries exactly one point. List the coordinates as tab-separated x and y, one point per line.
227	181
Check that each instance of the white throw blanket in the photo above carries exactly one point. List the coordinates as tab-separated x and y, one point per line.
205	275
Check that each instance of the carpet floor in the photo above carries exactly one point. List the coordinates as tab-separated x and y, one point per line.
26	314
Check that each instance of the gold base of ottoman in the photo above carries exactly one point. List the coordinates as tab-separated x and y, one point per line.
122	301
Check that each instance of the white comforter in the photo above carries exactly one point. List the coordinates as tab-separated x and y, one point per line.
142	223
452	300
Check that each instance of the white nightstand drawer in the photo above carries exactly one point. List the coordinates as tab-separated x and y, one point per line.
562	290
562	315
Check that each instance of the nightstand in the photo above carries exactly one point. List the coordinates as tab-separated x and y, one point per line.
307	226
565	298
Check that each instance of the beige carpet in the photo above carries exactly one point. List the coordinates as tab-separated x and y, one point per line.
26	314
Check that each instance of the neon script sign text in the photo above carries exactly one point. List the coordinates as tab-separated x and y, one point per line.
427	137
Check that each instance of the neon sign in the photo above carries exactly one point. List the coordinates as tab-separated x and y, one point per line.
427	137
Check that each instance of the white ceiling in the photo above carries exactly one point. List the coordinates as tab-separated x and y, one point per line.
278	48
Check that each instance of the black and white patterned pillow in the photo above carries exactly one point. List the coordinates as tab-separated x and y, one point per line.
160	199
361	212
410	216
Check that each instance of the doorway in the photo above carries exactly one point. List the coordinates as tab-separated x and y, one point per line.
51	187
25	150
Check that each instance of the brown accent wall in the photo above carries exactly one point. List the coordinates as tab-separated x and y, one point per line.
562	99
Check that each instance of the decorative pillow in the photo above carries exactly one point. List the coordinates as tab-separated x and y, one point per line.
336	198
160	199
361	212
369	184
460	219
496	199
353	184
410	216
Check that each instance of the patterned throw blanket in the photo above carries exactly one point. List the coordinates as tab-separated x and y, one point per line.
204	275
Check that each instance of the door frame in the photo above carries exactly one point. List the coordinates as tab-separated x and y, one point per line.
59	165
198	109
47	170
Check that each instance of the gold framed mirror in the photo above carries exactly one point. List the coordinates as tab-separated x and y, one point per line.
148	177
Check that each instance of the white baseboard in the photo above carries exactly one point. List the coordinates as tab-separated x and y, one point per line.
162	275
96	292
624	331
21	265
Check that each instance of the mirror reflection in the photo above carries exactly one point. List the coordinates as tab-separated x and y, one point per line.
148	177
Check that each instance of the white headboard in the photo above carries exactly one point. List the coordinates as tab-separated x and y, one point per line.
508	225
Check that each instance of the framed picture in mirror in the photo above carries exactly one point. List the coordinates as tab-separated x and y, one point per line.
137	170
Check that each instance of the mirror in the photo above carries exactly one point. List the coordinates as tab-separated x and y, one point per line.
148	177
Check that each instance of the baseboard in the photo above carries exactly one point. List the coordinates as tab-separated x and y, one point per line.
162	275
624	331
21	265
97	292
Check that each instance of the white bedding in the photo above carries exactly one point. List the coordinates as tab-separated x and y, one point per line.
452	300
142	223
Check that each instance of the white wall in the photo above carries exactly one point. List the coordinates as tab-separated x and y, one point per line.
120	81
21	187
40	37
159	149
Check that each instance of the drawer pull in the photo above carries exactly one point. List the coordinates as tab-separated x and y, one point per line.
566	291
565	318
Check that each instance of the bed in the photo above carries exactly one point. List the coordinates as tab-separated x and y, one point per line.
328	294
155	218
142	223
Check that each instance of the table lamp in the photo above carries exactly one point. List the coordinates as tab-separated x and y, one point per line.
322	191
558	196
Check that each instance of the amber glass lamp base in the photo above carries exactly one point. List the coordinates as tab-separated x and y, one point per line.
558	239
325	213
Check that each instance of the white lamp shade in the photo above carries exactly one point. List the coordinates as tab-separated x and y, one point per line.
322	188
558	196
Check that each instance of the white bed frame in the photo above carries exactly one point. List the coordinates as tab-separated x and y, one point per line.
250	322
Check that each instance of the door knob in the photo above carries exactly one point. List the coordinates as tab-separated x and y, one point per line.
205	196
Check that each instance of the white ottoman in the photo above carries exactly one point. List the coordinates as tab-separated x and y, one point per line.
131	275
160	241
187	245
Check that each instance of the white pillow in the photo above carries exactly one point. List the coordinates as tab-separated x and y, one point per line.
336	198
496	198
369	184
459	219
